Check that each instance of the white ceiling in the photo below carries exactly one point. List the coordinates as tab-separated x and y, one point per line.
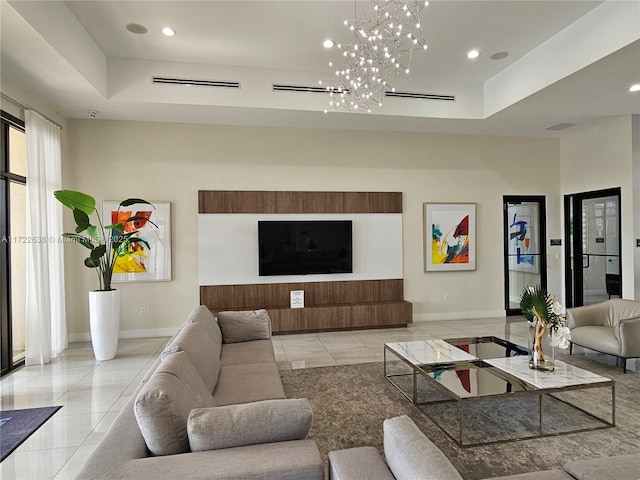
569	61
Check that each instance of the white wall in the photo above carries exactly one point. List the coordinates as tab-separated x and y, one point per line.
164	161
232	259
599	157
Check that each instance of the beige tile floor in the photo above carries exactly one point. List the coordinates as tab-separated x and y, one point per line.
92	393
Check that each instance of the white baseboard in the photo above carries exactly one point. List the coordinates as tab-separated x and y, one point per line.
127	334
434	317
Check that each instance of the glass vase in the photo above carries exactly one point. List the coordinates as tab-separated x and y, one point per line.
541	349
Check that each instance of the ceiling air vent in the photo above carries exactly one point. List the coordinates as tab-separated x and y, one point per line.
193	82
279	87
421	96
560	126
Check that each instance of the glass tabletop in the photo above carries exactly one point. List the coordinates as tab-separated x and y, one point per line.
429	352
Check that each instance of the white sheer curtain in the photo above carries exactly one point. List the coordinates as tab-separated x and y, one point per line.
46	332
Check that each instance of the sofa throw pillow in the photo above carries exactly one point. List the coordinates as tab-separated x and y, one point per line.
163	404
249	424
204	316
244	326
411	455
203	351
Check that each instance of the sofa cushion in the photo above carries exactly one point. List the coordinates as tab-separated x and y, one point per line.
247	352
244	326
360	463
248	383
203	351
411	455
602	339
163	404
296	460
620	467
204	316
249	424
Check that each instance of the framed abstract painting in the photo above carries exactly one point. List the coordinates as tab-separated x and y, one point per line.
449	236
146	261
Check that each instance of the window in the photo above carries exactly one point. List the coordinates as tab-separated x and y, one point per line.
13	191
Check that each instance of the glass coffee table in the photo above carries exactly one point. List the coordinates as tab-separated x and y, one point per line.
480	390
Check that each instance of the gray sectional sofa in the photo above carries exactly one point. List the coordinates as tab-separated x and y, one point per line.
410	455
212	406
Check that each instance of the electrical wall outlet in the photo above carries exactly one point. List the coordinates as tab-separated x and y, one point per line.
447	298
143	311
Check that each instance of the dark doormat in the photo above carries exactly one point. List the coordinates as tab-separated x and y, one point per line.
17	425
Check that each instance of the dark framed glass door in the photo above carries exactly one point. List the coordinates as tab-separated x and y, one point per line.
593	245
13	214
525	262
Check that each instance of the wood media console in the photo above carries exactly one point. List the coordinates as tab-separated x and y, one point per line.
345	305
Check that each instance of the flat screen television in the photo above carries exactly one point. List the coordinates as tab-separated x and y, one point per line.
293	247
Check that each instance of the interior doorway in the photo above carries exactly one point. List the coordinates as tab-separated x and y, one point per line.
592	247
525	262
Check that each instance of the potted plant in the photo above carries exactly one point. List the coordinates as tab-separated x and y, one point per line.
546	326
106	243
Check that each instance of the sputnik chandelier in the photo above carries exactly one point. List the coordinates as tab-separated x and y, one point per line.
384	41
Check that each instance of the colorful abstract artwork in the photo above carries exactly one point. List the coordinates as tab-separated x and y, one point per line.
523	247
143	261
450	242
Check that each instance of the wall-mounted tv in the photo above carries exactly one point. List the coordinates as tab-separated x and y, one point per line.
292	247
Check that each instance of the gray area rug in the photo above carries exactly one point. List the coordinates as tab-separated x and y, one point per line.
350	403
18	425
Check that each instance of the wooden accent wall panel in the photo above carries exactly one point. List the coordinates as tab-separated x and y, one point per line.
225	201
345	317
261	295
328	305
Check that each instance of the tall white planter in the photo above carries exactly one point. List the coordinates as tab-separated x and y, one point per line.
104	319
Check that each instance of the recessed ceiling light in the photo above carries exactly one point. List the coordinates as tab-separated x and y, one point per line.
168	31
635	88
328	43
136	28
473	54
499	55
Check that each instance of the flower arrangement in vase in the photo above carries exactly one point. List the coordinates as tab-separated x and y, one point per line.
544	315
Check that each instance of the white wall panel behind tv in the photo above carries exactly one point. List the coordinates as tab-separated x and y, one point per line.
228	248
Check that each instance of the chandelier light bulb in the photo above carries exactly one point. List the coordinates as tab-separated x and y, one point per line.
328	43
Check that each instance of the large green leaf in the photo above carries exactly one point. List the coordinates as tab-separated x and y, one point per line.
98	252
133	201
79	200
94	232
82	220
536	298
91	263
84	241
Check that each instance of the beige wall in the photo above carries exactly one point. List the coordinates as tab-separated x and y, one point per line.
600	157
163	161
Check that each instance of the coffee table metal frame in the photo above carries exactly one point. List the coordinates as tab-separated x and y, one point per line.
433	365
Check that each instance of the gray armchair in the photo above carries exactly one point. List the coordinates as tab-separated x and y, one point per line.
611	327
